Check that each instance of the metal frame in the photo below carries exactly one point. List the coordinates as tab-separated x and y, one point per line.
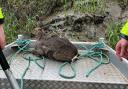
122	66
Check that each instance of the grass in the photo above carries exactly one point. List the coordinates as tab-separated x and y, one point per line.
113	33
18	19
10	27
29	9
90	6
20	15
13	27
99	6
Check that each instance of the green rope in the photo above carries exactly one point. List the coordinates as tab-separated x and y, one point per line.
99	63
29	58
23	46
26	56
89	52
92	54
73	70
22	77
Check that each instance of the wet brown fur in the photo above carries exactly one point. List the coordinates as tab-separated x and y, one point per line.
54	47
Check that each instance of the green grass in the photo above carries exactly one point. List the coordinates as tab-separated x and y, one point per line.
124	2
90	6
10	27
13	27
20	15
113	31
27	22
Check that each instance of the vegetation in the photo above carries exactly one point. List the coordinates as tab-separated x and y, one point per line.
90	6
99	6
113	33
21	15
12	26
123	3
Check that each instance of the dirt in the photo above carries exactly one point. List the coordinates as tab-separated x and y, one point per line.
51	15
83	26
77	27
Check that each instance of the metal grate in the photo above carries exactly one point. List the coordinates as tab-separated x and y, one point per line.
37	84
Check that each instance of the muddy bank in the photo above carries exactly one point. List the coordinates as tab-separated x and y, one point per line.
84	26
65	18
76	27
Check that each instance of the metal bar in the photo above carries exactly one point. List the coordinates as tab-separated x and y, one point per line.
11	79
6	68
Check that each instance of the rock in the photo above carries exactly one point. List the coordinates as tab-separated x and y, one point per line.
87	19
91	34
69	20
87	25
80	22
77	28
56	19
58	24
98	19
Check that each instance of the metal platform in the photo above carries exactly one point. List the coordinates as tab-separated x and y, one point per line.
111	76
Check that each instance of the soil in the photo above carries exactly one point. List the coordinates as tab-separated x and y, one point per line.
83	26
